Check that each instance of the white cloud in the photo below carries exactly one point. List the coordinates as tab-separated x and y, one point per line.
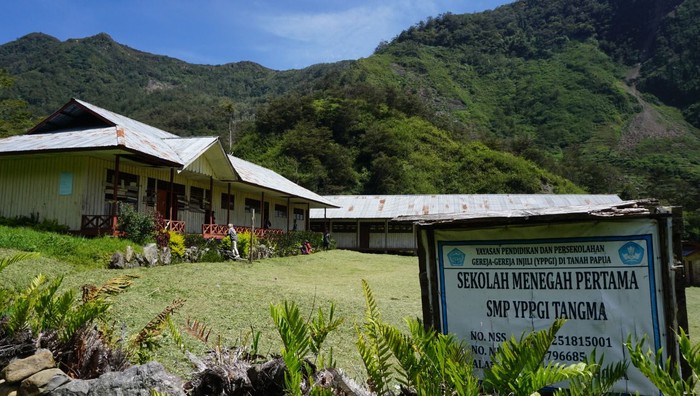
345	34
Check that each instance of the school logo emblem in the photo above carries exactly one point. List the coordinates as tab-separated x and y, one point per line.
631	253
456	257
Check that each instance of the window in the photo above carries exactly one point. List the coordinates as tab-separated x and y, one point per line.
298	214
227	201
344	227
197	199
376	227
252	204
280	211
65	183
127	188
397	228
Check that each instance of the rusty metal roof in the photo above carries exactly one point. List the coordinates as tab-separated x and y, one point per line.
79	125
262	177
621	209
392	206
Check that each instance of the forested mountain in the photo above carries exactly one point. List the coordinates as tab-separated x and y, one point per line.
600	92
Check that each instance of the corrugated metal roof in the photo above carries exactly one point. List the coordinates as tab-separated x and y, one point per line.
127	122
103	129
257	175
391	206
189	149
619	209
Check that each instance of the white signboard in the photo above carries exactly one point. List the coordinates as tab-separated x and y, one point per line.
502	282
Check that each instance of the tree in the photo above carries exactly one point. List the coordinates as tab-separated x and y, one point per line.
15	117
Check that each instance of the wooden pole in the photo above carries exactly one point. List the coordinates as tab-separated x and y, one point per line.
172	193
115	194
211	200
228	204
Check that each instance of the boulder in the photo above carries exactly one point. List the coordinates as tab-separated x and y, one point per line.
138	380
43	382
19	369
150	253
117	261
129	255
165	256
73	388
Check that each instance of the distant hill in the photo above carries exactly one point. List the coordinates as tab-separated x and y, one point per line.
600	92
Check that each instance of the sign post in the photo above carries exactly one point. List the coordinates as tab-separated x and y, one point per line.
486	281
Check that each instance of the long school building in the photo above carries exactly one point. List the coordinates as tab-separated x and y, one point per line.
365	222
79	163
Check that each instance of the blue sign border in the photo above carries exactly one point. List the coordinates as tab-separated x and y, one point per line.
648	238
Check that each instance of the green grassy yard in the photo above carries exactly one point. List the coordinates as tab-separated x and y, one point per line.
234	299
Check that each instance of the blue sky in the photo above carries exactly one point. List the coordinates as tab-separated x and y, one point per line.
277	34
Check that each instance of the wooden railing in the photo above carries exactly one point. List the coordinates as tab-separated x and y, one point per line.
218	231
91	225
175	225
96	225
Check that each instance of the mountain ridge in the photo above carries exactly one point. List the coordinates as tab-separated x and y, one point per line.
546	81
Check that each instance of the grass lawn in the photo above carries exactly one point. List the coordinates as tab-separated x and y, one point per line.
233	298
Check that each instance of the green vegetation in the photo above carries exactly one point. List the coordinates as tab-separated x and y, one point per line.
277	303
555	96
83	253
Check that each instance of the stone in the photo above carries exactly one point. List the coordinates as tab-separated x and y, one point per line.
166	257
129	255
138	380
150	253
73	388
117	261
43	382
20	369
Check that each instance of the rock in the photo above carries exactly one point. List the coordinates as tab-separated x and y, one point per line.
43	382
117	261
129	255
140	261
150	253
165	256
20	369
73	388
138	380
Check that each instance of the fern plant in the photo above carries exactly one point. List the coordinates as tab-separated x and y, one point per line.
374	348
422	362
600	381
518	365
664	375
143	345
300	338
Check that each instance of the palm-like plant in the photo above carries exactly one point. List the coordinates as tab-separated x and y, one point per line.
518	366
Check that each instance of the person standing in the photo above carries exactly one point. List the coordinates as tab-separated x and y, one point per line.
326	240
234	241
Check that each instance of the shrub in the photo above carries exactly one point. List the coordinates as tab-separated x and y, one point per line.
33	222
177	244
287	244
196	240
138	227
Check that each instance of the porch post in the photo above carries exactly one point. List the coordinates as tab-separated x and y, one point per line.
308	220
211	200
228	204
172	191
262	210
288	208
386	235
115	193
